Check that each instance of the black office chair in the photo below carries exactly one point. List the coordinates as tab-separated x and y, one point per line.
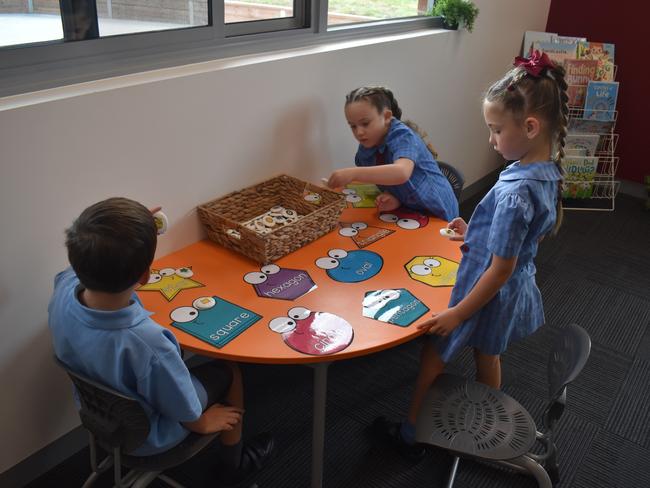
454	176
119	424
473	420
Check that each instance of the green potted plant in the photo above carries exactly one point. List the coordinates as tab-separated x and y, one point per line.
455	12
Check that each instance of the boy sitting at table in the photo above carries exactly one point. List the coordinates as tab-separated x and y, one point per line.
100	329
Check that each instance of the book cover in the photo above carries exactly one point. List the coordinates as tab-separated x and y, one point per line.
575	151
531	37
579	174
600	100
596	50
568	39
556	51
603	53
576	94
585	126
587	143
580	71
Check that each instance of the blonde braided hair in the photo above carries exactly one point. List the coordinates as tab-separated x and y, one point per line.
546	96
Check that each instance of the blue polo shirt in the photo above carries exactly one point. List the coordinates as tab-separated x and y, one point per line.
427	190
126	350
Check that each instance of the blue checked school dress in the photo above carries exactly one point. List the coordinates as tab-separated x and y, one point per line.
427	190
510	221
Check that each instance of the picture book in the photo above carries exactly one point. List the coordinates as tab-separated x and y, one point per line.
576	94
583	142
603	53
600	100
580	172
586	126
580	71
556	51
575	151
531	37
568	39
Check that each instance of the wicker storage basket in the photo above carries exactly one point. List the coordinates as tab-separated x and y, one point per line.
224	216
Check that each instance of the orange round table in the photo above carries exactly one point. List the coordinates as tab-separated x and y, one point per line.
221	272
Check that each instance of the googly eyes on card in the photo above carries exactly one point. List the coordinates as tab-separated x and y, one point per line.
162	222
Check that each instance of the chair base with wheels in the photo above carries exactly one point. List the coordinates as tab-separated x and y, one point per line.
472	420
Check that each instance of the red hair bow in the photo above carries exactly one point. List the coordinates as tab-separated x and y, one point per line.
536	64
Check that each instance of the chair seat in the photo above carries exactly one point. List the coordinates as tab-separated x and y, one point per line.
178	454
472	419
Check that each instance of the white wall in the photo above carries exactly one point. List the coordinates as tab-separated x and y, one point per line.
197	135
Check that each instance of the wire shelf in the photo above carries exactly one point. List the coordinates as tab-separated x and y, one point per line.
607	144
599	193
596	115
603	197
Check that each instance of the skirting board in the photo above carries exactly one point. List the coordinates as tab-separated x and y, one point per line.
45	459
634	189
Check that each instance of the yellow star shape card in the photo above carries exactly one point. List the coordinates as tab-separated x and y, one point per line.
170	282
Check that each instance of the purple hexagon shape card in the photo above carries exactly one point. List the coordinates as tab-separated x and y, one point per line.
272	281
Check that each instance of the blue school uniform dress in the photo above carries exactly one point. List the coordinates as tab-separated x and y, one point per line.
126	350
510	220
427	190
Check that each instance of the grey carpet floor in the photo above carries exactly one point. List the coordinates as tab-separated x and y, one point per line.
596	273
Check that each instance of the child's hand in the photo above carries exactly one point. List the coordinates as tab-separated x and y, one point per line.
442	323
386	202
459	226
341	177
155	209
220	417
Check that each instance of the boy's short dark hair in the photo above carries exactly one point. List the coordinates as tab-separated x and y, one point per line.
112	244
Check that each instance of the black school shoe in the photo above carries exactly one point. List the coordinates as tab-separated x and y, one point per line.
389	432
255	455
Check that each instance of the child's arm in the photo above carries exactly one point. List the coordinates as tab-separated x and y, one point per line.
215	419
386	174
485	289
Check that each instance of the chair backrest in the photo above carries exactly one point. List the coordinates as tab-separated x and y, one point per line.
115	419
568	356
454	176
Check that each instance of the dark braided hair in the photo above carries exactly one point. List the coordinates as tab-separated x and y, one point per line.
546	96
382	98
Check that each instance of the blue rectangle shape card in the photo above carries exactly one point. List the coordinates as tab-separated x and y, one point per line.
213	320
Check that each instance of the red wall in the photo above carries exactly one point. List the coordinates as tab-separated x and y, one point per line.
624	23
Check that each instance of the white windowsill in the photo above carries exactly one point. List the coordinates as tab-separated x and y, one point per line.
117	82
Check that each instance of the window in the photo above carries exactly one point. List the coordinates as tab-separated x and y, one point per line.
353	11
46	43
253	10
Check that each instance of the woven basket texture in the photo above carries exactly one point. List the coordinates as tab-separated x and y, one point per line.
231	211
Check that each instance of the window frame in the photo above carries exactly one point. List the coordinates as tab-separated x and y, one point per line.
37	66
